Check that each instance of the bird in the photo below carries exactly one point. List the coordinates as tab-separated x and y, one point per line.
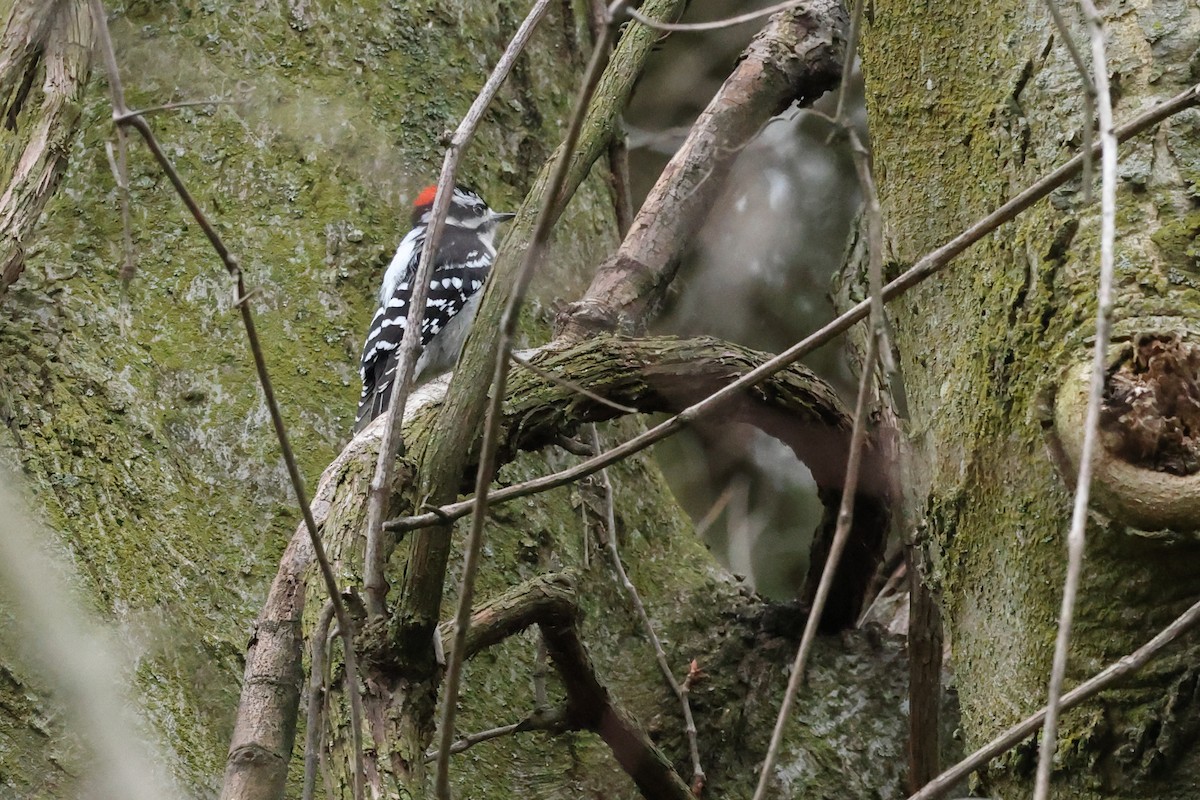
461	265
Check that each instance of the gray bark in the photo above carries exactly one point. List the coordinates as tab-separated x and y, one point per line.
968	104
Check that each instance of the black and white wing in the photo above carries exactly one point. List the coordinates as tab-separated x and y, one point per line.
462	266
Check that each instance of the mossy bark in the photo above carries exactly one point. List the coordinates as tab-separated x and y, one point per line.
968	104
135	414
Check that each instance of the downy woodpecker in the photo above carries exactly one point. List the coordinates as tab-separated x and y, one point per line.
464	259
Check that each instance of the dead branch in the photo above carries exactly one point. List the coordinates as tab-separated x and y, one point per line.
796	58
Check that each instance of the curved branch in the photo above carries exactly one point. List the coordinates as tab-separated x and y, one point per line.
550	602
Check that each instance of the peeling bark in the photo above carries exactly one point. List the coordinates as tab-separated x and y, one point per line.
54	39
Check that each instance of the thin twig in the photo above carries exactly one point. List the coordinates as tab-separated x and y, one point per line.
1076	538
541	700
714	511
716	24
839	115
874	215
660	655
472	739
841	534
570	385
491	433
392	440
554	721
927	266
315	724
144	112
139	124
1018	733
1089	92
120	169
622	186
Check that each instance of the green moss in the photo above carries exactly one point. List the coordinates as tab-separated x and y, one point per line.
1177	241
966	112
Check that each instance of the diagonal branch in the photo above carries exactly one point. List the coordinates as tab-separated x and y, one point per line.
550	601
924	268
795	58
601	52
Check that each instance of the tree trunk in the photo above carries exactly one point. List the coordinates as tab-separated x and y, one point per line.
968	104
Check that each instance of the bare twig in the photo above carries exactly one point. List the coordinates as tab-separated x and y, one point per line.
541	700
483	479
315	725
925	267
470	740
373	581
119	163
660	655
874	216
845	518
1076	538
839	115
716	24
120	109
544	720
714	511
1089	92
145	112
1018	733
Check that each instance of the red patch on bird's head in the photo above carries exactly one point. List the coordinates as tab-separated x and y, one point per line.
426	197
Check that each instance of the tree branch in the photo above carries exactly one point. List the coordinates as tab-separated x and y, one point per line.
795	58
550	601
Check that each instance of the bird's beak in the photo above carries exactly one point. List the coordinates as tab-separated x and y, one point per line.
502	216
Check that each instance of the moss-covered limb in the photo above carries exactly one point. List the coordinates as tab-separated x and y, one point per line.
541	599
551	603
58	37
984	346
650	374
442	456
795	58
670	375
591	707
